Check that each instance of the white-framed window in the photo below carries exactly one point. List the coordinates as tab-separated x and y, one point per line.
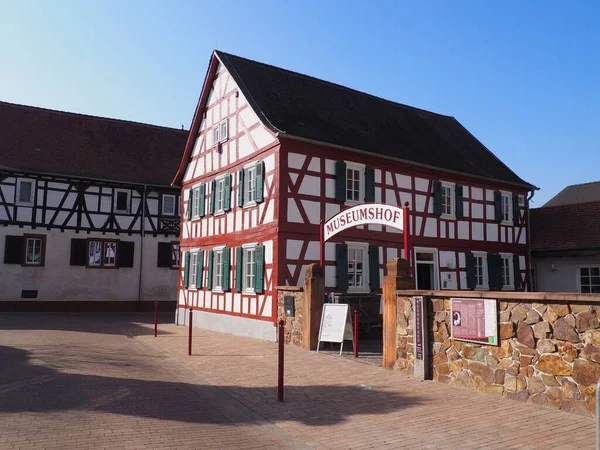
507	271
248	269
121	200
24	192
193	271
250	185
358	266
220	132
447	199
196	202
34	250
506	207
217	270
355	182
220	194
588	279
169	205
481	273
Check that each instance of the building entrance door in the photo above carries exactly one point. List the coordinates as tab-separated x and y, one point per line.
425	270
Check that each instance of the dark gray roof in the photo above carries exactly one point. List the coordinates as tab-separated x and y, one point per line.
576	193
298	105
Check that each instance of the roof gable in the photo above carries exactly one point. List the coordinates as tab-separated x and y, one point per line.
297	105
54	142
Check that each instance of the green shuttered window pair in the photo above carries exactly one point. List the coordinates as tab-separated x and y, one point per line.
350	267
197	202
498	271
251	181
220	195
193	277
217	272
446	202
350	181
250	269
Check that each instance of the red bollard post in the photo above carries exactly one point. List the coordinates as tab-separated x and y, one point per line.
280	365
155	319
190	335
356	333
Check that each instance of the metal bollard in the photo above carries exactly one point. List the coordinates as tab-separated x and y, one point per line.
356	333
155	319
190	335
280	363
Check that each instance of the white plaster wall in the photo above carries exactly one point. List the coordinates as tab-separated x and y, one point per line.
564	276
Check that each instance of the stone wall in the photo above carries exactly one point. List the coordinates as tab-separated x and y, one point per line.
549	352
293	325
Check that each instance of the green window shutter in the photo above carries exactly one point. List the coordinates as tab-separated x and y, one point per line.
341	266
227	193
459	201
211	206
494	262
516	209
260	181
226	268
202	205
186	271
190	204
374	282
259	269
369	184
470	260
340	181
200	269
517	271
239	252
498	206
209	272
437	198
241	188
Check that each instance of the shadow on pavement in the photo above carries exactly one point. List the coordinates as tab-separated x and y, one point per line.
26	386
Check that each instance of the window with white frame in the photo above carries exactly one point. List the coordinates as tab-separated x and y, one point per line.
507	272
447	199
248	269
480	266
24	193
357	266
193	271
589	279
169	205
355	182
220	195
250	185
217	270
121	201
34	251
220	132
505	207
196	202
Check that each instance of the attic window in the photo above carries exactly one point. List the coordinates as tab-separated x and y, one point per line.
220	132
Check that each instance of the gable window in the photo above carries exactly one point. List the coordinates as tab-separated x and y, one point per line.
480	264
589	279
249	267
220	132
217	270
505	208
506	270
35	250
357	264
102	253
447	200
354	183
169	205
24	193
121	201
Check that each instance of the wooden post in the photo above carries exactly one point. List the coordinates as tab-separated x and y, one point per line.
314	296
398	277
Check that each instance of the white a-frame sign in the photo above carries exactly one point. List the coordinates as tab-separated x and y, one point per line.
336	325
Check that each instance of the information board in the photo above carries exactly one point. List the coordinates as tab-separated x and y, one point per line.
475	320
418	305
336	324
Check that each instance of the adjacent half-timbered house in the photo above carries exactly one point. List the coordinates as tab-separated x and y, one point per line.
88	219
272	153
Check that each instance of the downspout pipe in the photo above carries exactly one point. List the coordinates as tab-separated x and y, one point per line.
529	262
142	232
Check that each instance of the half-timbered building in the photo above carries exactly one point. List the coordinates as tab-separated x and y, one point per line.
88	218
272	153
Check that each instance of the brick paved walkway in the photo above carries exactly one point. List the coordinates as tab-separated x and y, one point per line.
78	381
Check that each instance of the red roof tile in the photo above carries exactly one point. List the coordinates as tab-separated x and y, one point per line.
566	227
55	142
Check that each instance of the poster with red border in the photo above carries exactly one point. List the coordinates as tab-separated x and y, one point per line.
474	320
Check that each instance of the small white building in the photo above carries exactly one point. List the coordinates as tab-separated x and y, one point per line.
88	220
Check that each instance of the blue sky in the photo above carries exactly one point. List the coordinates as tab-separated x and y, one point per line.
523	77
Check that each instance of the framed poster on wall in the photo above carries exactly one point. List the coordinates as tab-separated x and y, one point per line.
474	320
